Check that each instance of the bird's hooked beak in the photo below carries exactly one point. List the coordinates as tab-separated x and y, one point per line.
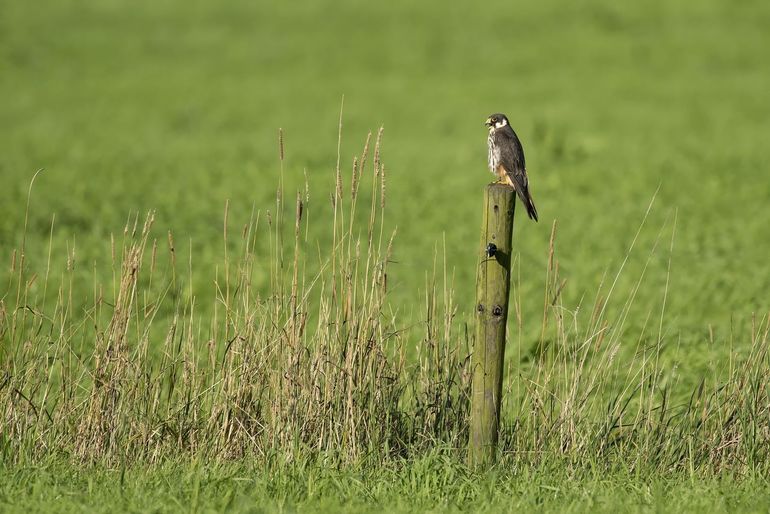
488	123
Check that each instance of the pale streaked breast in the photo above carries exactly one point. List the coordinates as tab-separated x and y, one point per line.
493	157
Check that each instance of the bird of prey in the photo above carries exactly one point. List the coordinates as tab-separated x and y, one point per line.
506	159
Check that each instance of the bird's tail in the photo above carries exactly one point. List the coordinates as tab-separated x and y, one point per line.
526	199
523	191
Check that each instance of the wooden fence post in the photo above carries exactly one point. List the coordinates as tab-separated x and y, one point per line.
492	288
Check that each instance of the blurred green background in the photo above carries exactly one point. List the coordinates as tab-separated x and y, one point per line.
176	106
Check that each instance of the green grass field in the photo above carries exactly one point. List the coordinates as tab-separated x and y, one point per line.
644	127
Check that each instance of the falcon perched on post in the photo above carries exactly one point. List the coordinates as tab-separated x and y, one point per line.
506	159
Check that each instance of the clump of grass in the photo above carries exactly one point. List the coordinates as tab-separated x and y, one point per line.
314	365
319	365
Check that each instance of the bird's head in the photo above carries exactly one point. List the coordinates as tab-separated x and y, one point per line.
496	121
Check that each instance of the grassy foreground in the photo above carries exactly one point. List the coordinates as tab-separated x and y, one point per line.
432	484
315	396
